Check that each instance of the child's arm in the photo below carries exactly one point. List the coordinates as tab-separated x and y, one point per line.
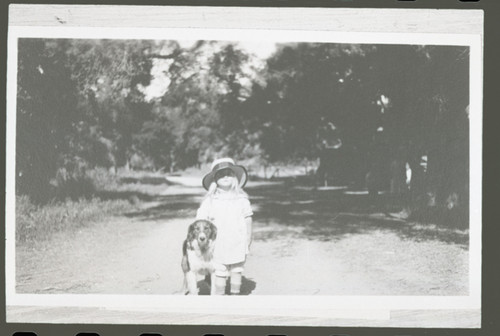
248	221
203	211
247	214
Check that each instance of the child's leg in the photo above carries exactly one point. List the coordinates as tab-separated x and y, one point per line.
219	285
235	281
236	272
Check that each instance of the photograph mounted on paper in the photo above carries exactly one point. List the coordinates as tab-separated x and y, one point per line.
158	165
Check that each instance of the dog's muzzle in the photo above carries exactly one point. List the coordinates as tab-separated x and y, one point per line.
202	239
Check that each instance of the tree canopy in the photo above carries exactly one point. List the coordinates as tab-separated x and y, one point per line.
87	103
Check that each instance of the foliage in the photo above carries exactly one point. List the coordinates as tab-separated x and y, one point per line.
46	109
84	104
78	106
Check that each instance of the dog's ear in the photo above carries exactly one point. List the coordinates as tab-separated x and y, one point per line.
213	229
191	234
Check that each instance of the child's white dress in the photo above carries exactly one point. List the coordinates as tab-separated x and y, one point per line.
228	213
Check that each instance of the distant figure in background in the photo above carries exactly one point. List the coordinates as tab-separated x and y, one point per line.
414	197
376	178
417	194
329	160
227	206
399	177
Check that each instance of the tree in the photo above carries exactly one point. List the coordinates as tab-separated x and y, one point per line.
46	106
79	103
424	119
412	97
109	76
200	116
310	85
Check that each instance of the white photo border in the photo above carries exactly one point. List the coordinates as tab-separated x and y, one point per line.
374	307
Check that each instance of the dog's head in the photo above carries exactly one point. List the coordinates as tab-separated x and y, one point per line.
202	232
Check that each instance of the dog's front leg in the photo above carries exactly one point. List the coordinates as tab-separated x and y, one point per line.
212	283
191	283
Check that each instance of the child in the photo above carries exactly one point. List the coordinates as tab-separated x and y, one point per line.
227	206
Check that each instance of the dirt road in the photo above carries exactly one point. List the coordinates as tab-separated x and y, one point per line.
305	243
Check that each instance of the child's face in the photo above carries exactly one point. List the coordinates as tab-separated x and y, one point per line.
225	179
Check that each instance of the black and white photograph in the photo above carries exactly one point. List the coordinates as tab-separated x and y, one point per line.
172	176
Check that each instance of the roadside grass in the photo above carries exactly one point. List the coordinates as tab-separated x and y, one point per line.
112	195
36	223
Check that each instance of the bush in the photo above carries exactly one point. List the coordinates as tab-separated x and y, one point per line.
102	179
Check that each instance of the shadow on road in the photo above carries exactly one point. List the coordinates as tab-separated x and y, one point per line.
313	214
331	214
168	207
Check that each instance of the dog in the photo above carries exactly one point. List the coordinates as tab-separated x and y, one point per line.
197	254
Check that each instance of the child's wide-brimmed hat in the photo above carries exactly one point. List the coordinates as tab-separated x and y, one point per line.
225	163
